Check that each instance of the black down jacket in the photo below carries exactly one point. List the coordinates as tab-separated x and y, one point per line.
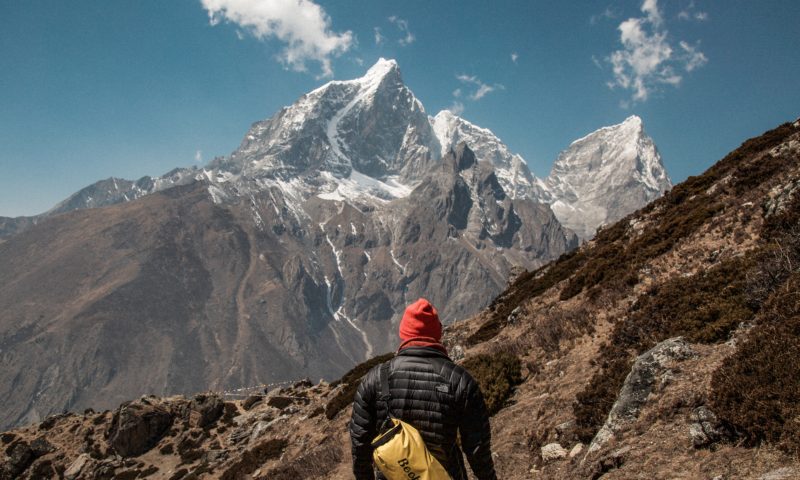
437	397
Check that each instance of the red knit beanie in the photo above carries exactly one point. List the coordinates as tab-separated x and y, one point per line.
421	320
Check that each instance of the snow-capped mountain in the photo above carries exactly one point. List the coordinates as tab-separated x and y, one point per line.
373	125
369	140
512	171
604	176
294	256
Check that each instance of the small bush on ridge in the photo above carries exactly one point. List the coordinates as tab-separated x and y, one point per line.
497	376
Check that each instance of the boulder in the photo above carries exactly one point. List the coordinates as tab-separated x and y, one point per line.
137	426
206	410
50	421
552	452
280	402
705	428
42	468
83	462
303	383
41	447
576	450
251	402
650	366
565	430
20	457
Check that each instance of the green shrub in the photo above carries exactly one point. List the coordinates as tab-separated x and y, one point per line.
351	379
756	391
497	375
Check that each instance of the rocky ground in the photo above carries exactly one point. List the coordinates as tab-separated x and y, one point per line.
283	434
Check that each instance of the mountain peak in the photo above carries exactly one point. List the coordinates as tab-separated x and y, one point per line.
633	120
382	69
633	125
446	114
605	175
383	65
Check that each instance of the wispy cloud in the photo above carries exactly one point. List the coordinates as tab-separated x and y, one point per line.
302	25
647	59
693	57
691	13
457	107
379	38
606	14
475	90
514	57
198	156
481	89
402	25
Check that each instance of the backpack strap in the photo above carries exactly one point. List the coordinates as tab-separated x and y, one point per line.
386	394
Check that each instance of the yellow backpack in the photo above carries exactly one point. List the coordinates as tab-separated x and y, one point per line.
399	452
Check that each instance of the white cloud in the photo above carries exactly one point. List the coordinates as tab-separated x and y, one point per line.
647	59
302	25
514	57
481	89
198	156
650	8
379	38
457	93
402	25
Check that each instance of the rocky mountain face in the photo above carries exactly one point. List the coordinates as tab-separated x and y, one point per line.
665	346
599	179
511	169
294	256
604	176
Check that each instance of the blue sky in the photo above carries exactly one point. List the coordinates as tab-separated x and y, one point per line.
93	89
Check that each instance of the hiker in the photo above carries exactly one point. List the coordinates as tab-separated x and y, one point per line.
429	392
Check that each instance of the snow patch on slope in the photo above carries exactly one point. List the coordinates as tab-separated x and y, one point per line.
360	186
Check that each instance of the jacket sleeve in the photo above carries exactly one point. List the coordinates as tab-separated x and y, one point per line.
363	428
476	433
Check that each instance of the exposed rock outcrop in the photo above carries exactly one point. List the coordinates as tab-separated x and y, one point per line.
137	427
649	368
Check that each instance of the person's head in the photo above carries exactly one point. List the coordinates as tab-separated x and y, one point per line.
421	322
